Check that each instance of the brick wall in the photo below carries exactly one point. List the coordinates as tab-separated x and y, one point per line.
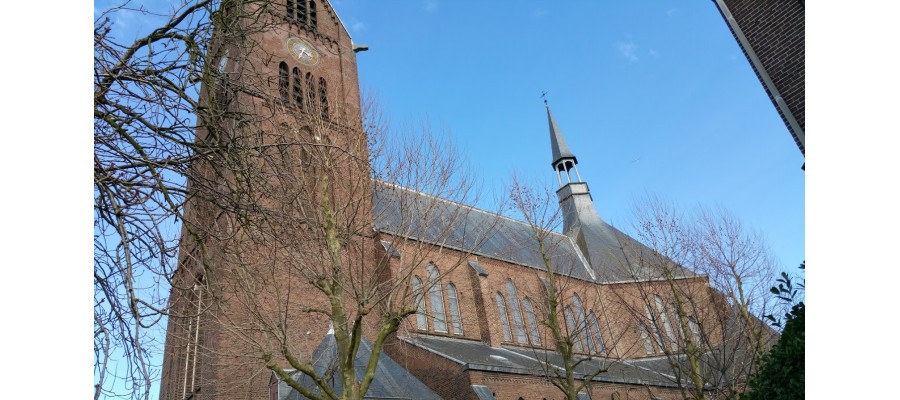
444	377
775	29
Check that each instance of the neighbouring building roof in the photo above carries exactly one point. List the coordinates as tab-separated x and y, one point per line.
391	380
475	355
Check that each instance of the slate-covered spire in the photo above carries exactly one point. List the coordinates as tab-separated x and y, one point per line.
581	222
557	142
563	158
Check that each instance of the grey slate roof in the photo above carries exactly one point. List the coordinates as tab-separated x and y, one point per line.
483	392
474	355
558	142
391	380
410	214
415	215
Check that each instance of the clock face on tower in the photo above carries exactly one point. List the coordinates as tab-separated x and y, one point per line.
303	51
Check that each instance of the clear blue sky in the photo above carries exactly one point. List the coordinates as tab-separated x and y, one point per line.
652	97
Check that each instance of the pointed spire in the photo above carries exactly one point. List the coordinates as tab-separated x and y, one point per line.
563	159
558	142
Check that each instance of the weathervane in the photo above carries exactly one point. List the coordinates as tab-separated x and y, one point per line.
544	96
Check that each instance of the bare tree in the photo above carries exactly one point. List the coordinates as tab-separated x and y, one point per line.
699	296
145	100
273	195
580	327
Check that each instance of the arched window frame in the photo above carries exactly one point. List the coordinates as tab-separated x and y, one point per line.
455	317
518	321
594	325
323	98
297	88
695	331
664	318
310	92
436	298
570	323
531	321
313	19
654	336
504	317
419	296
645	337
283	82
581	332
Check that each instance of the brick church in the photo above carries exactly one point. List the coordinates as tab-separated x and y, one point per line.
254	297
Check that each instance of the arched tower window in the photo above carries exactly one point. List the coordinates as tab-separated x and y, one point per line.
310	91
421	319
323	97
298	88
455	318
516	312
301	12
504	318
581	324
290	9
283	81
436	296
532	323
312	14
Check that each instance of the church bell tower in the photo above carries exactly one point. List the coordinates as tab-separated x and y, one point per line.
280	89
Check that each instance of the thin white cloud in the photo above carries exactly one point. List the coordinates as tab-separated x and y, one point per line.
539	13
671	12
628	50
431	5
653	53
357	26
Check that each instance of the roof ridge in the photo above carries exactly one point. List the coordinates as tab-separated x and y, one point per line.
473	208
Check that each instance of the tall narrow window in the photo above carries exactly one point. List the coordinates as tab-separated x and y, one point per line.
310	92
516	312
436	296
653	327
581	321
283	81
504	318
323	98
595	331
312	14
664	318
645	337
679	322
455	318
421	319
298	91
570	322
695	330
532	324
290	9
301	12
